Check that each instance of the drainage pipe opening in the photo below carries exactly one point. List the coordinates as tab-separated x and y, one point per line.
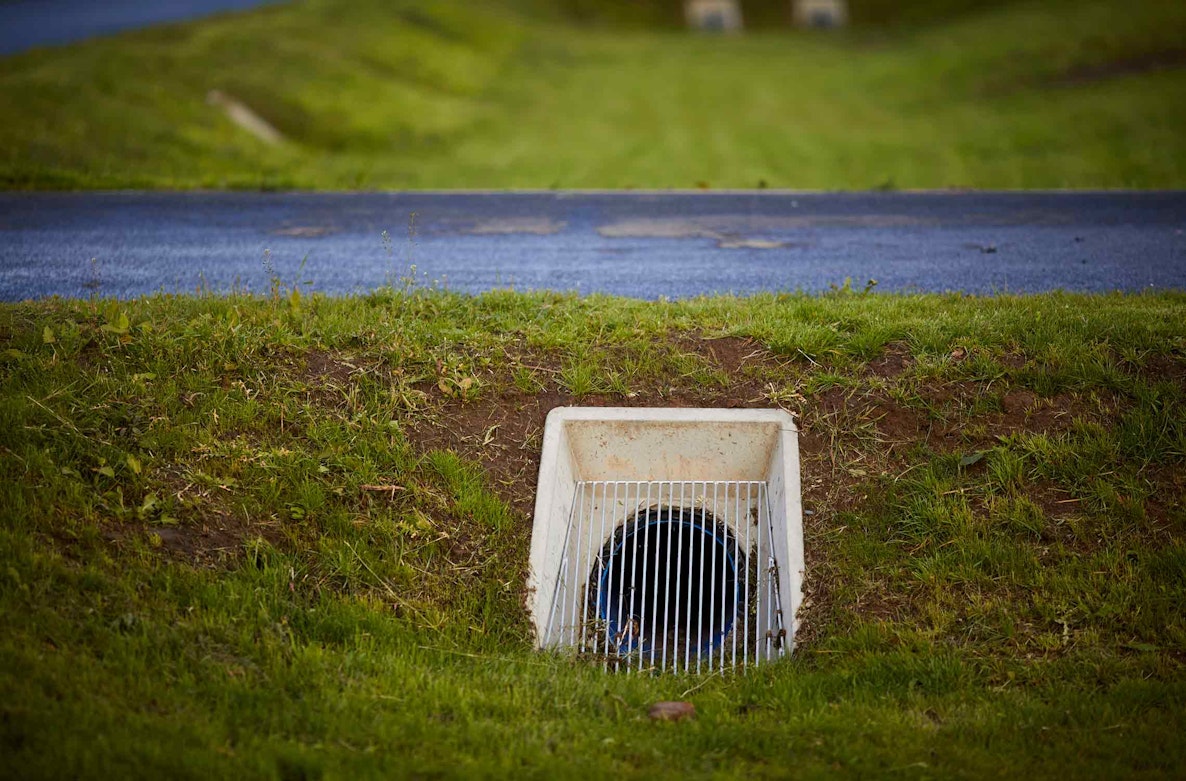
670	588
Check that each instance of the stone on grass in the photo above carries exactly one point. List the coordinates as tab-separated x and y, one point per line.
672	711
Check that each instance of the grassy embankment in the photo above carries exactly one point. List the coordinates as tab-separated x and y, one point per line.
378	94
196	582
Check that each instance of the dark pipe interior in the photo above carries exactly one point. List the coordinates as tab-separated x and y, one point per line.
643	605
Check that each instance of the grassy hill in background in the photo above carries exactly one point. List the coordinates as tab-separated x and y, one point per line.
446	94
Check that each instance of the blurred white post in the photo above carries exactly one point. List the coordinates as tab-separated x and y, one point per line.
820	13
723	16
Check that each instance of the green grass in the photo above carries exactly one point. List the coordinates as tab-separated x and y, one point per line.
196	582
385	94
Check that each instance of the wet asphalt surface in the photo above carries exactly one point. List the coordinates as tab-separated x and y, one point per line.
28	24
645	245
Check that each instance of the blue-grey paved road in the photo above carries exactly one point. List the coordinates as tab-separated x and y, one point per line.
25	24
645	245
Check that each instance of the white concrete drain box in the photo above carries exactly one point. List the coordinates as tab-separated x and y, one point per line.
668	539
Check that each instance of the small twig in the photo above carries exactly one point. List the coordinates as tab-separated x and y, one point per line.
908	470
720	674
386	489
480	656
540	368
414	551
14	455
60	419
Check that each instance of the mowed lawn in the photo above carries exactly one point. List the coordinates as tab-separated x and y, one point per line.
443	94
286	536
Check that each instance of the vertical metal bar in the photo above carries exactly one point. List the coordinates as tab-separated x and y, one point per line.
667	589
687	585
591	565
621	568
744	519
712	596
573	624
718	520
775	619
658	517
724	565
700	583
775	604
613	611
761	634
712	651
582	619
690	586
775	597
765	561
606	571
678	578
737	599
631	623
646	556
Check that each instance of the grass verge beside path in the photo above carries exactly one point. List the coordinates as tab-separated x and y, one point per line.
401	94
286	536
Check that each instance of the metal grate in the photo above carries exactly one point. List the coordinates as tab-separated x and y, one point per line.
669	575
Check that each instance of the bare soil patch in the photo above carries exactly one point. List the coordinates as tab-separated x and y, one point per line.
503	430
1164	368
895	361
323	366
213	541
1025	411
1125	66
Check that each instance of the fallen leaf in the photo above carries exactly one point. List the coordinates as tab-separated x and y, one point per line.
1145	647
971	458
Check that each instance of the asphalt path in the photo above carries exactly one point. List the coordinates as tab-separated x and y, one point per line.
26	24
644	244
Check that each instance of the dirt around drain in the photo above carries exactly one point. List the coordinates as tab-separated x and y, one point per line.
504	431
209	543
